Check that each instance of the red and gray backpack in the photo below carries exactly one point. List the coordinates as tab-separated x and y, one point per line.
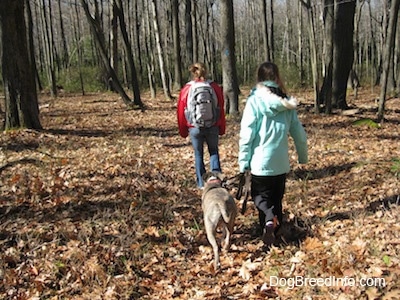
202	105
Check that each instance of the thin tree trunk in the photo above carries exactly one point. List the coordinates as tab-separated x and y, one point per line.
300	43
272	31
77	37
313	52
195	37
151	61
136	33
166	88
229	75
65	57
213	50
267	50
325	95
99	38
128	49
388	55
31	45
48	44
178	81
114	41
188	31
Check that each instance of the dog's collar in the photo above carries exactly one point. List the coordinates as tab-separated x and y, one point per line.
214	180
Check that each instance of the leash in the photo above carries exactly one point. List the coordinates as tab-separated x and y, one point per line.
244	188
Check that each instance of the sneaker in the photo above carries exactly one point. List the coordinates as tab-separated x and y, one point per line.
269	232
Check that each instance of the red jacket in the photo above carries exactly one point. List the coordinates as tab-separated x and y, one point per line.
182	102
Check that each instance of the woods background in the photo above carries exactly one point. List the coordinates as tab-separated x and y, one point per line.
82	46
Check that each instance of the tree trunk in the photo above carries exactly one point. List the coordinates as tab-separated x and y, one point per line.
65	56
178	82
21	102
374	49
128	49
229	75
388	55
213	48
160	51
150	53
300	44
114	55
77	38
99	38
188	31
325	96
49	50
342	51
31	44
357	46
195	37
136	33
272	31
313	52
267	49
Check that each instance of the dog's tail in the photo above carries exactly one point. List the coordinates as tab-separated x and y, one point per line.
224	211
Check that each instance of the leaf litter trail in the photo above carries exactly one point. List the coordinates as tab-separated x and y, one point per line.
102	204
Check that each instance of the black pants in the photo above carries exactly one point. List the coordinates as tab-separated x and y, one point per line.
267	193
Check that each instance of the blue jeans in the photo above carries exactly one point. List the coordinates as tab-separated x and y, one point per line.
210	136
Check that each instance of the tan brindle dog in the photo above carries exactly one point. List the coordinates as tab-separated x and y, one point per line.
219	208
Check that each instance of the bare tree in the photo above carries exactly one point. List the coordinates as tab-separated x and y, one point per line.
267	47
48	38
300	46
272	35
160	51
388	55
325	95
114	53
149	51
119	9
189	31
313	51
195	38
77	42
65	55
342	51
178	81
229	73
99	38
21	102
31	46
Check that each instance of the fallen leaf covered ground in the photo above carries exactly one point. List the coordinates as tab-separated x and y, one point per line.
102	204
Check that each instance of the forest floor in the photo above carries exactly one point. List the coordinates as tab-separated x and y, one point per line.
102	204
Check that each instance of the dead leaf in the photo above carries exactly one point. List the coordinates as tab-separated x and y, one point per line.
373	293
250	288
392	295
312	243
151	230
247	268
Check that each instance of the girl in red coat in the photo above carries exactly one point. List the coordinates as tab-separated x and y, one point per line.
201	135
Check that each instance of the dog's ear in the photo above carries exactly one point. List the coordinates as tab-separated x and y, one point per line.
206	176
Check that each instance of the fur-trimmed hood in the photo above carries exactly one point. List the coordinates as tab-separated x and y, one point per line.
270	103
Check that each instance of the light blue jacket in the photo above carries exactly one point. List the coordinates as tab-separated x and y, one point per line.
267	122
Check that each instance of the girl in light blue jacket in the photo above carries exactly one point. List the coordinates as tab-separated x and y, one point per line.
268	119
